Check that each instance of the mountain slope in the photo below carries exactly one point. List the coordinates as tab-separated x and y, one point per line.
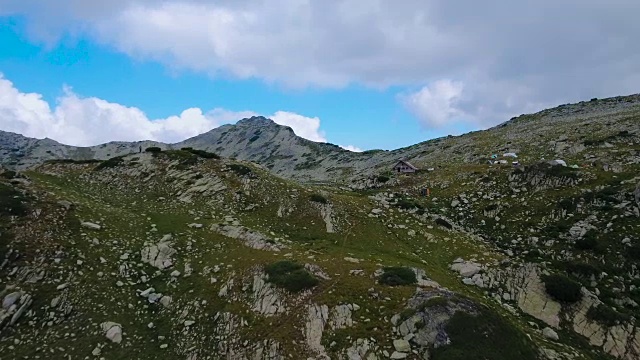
175	254
558	132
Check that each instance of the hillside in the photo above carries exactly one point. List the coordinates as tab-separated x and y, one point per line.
557	132
180	254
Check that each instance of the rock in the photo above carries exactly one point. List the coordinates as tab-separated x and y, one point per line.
376	211
90	225
11	299
401	345
250	238
175	273
65	204
341	317
317	316
549	333
62	286
195	226
166	301
352	260
266	300
113	331
158	255
466	269
399	355
636	194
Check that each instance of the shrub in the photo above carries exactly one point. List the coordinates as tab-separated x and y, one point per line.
582	269
153	149
396	275
240	169
434	302
290	276
633	252
408	204
605	315
8	174
318	198
484	336
382	178
587	242
110	163
444	223
562	288
204	154
11	201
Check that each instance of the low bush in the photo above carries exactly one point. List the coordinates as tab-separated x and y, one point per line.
434	302
484	336
582	269
290	275
240	169
606	316
12	202
204	154
318	198
588	242
110	163
153	149
562	288
8	174
382	178
408	204
396	276
633	252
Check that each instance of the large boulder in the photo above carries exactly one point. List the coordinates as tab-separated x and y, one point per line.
158	255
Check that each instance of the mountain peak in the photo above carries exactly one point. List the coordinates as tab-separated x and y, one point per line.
256	120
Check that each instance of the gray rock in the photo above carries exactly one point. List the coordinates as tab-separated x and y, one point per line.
113	331
399	355
11	299
401	345
158	255
549	333
90	225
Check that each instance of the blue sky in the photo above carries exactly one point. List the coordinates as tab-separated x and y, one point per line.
127	70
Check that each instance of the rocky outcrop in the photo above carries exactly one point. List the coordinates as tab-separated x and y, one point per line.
265	298
158	255
326	211
250	238
316	319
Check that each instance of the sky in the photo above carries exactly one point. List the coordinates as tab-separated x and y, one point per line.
362	74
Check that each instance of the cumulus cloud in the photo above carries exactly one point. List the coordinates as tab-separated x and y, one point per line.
510	56
437	105
84	121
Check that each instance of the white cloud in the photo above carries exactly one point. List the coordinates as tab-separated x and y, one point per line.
352	148
437	105
525	59
85	121
306	127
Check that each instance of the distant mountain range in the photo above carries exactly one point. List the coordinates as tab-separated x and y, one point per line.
277	148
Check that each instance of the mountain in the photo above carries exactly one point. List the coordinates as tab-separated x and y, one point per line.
277	148
181	254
